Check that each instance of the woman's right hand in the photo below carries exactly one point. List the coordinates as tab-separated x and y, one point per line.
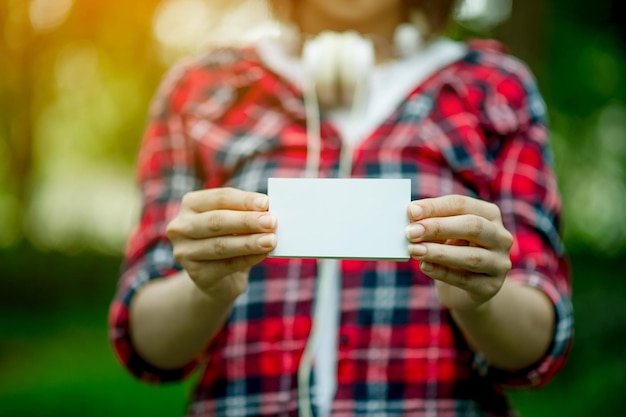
218	235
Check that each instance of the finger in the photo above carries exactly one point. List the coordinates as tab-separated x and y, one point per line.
466	227
458	242
468	258
221	223
478	284
205	272
225	199
452	205
225	247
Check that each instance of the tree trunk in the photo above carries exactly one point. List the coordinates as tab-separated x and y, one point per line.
16	104
526	33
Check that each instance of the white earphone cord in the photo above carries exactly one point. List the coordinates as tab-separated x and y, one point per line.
328	268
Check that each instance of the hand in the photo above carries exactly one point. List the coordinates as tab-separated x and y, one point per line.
463	245
218	235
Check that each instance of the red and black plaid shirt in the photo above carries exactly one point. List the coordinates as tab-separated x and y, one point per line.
477	127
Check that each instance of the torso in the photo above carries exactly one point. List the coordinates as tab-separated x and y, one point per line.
399	352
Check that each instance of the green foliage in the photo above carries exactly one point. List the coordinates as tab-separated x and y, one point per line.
55	358
57	362
46	280
593	379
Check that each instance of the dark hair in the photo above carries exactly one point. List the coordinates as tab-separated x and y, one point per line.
437	12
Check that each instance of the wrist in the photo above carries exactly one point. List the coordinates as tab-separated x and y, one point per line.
474	314
223	294
483	312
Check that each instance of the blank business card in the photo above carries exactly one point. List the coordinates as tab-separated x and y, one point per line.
350	218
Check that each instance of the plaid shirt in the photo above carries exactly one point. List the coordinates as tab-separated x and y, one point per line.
477	127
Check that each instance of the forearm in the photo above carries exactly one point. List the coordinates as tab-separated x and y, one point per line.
172	321
513	330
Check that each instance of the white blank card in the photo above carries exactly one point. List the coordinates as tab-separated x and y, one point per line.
348	218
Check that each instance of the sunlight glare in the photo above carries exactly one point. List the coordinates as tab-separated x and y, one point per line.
472	9
483	15
597	207
611	130
596	196
95	209
77	65
181	24
184	27
48	14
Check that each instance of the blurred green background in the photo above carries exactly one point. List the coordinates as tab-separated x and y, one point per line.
76	77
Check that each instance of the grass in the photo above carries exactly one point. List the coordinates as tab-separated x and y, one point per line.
61	364
55	358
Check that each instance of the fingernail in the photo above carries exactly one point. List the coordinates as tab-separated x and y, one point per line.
261	203
417	250
416	211
415	231
267	241
427	267
267	221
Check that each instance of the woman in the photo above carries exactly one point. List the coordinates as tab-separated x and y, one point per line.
485	301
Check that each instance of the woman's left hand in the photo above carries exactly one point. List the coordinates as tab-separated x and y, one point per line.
463	245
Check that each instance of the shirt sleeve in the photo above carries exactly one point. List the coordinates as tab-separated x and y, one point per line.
524	186
166	170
